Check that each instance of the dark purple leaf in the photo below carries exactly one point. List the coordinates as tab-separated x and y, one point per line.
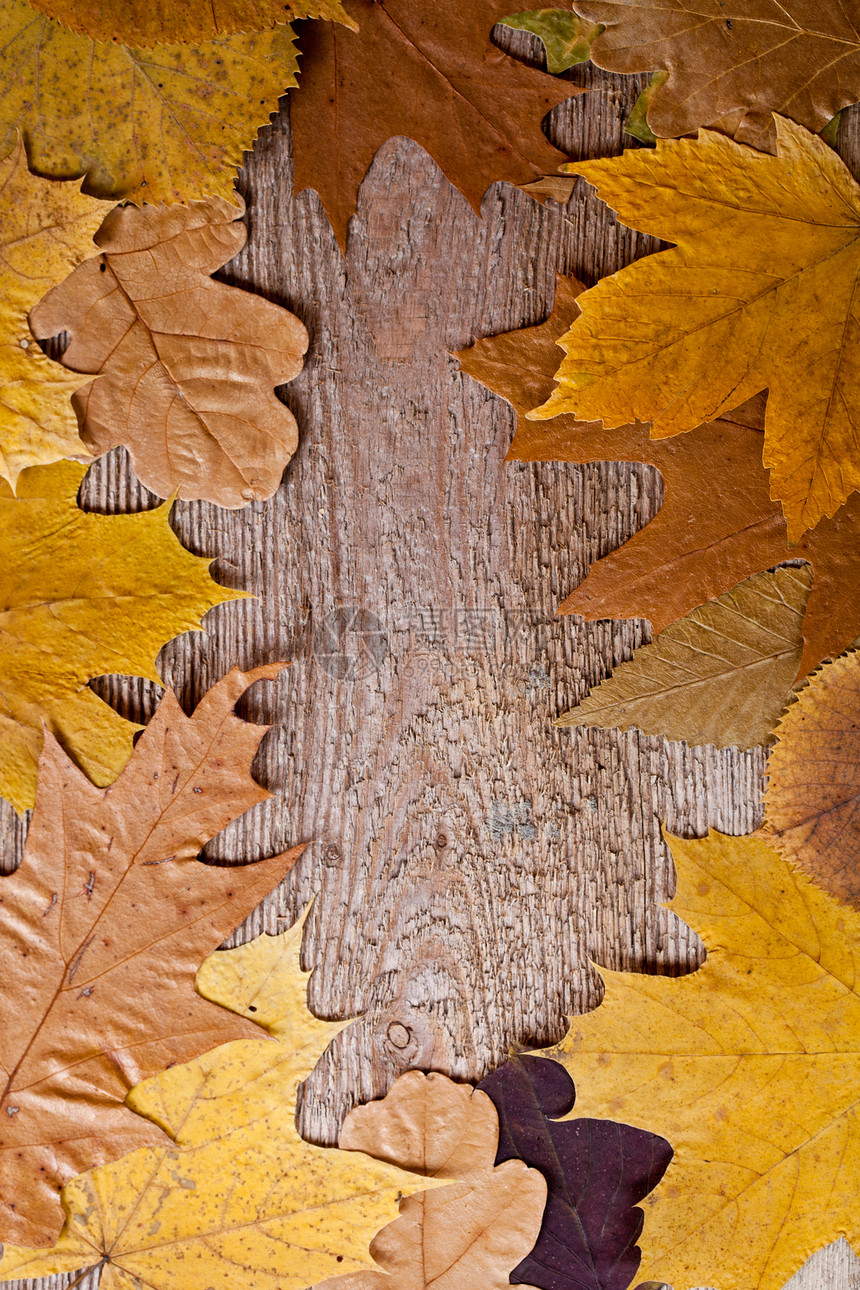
596	1170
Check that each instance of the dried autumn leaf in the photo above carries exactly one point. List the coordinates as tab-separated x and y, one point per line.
757	294
566	39
721	675
812	803
159	22
474	109
732	67
470	1234
717	524
186	366
748	1066
85	596
166	124
102	929
637	122
597	1172
237	1198
46	230
558	187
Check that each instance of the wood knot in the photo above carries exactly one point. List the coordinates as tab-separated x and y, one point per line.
399	1035
440	842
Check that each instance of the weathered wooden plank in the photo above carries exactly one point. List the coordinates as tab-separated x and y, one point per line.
467	859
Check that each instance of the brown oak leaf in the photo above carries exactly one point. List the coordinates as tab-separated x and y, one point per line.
426	71
717	524
185	367
102	929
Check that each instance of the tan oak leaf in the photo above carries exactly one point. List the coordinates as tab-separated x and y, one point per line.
185	367
472	1233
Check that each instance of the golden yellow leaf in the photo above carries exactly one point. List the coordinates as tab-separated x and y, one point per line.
83	596
749	1067
720	675
162	22
237	1198
717	523
473	1233
811	803
758	293
186	366
46	230
167	124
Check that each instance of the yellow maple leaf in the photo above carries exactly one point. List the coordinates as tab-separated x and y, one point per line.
159	22
237	1197
165	124
46	231
83	595
748	1066
758	293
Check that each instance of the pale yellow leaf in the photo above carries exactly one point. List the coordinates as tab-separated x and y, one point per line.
46	230
720	675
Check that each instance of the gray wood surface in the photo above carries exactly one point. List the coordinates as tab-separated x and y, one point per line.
468	860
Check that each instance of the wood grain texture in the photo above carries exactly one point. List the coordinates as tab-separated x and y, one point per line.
468	860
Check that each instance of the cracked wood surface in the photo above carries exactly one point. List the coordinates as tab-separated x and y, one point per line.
468	859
